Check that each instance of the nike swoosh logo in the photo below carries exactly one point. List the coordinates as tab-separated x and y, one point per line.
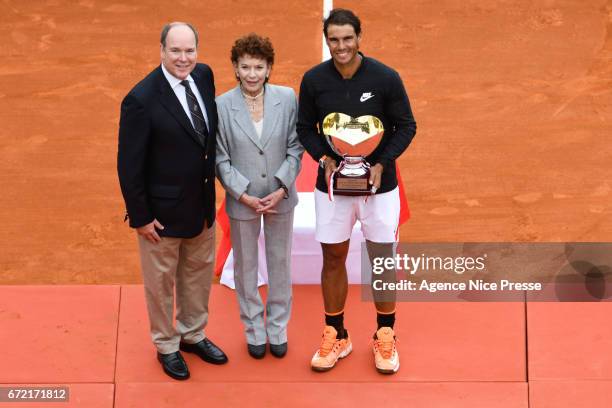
365	97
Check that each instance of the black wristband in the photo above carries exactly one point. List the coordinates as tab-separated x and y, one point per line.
286	190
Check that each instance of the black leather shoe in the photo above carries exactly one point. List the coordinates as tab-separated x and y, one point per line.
174	365
257	352
278	350
206	350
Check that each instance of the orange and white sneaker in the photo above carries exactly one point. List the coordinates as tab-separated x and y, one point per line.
331	350
386	356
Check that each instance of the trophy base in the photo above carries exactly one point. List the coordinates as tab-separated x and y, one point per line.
353	177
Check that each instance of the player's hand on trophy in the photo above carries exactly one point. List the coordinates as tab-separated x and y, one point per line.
270	201
149	233
375	177
330	167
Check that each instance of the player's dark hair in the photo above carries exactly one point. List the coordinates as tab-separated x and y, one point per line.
340	16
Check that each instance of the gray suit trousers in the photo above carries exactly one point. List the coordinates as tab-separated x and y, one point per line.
278	231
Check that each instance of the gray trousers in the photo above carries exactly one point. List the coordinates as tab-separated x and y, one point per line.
278	231
185	264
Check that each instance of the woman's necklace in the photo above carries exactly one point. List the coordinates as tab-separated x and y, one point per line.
251	100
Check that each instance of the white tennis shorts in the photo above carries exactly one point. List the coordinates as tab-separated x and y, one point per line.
379	217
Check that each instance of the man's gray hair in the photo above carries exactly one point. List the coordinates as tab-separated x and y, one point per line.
168	26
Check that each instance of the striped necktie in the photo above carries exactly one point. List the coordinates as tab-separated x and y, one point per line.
199	124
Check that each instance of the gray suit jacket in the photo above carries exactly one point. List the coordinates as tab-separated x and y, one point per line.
256	166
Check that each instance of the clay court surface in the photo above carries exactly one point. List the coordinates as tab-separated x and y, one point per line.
513	101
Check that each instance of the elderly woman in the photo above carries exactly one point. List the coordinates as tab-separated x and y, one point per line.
258	159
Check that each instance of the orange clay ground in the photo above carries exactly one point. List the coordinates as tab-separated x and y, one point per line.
513	102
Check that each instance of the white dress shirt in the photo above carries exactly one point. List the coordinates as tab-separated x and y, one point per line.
179	91
258	127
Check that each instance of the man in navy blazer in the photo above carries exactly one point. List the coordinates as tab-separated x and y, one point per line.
166	166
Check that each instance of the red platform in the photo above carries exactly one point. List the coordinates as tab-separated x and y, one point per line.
94	339
570	341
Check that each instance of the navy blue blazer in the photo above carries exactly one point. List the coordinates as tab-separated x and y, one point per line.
165	172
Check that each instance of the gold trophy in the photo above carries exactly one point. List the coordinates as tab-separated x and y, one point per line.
353	139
